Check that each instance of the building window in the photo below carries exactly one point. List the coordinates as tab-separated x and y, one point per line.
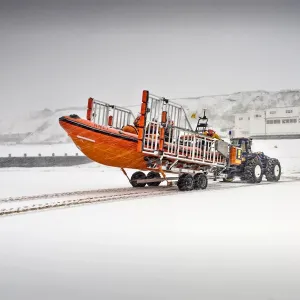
273	121
273	112
257	116
288	121
289	111
240	119
249	119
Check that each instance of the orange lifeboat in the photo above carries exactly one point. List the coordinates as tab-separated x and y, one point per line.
159	140
104	144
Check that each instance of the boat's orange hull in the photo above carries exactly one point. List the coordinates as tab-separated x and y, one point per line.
104	145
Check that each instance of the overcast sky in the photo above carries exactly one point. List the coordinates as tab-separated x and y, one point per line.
58	53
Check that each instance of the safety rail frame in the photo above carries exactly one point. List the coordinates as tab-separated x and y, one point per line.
105	114
165	132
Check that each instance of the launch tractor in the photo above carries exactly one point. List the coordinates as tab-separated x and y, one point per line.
251	166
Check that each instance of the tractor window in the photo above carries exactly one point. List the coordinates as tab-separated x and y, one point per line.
235	143
243	146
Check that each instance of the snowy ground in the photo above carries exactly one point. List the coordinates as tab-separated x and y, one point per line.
287	151
227	243
232	244
24	182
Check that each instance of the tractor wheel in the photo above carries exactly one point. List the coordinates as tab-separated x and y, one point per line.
253	171
185	182
273	169
200	181
152	175
135	176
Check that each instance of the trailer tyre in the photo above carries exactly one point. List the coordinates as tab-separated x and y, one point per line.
135	176
253	171
185	182
273	169
200	181
152	175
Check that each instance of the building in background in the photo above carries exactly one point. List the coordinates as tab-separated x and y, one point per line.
277	121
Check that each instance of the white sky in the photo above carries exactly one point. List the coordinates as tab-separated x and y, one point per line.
59	55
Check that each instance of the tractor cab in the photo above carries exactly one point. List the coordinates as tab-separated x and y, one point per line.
243	143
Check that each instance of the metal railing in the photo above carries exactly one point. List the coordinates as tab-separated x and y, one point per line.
176	117
179	140
111	115
184	145
175	112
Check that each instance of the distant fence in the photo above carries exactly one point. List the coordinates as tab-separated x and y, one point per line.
42	161
276	137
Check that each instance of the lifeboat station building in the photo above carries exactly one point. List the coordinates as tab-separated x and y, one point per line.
273	122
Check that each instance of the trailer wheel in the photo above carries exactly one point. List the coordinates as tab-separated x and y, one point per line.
253	171
152	175
273	169
185	182
135	176
200	181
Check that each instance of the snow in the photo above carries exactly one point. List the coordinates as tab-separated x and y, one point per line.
37	181
22	123
204	245
287	151
221	108
234	243
43	125
52	131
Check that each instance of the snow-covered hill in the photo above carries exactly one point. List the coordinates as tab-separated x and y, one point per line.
50	131
23	123
40	126
43	127
221	108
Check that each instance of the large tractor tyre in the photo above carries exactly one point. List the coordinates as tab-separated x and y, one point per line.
273	170
135	176
253	172
152	175
200	181
185	182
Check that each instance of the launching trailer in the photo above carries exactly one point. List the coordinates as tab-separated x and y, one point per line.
161	141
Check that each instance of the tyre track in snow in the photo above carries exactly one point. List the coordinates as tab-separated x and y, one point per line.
121	195
41	202
112	190
59	195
